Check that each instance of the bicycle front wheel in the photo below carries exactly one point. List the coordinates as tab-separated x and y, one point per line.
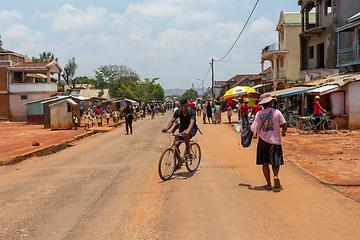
193	163
330	126
304	126
167	164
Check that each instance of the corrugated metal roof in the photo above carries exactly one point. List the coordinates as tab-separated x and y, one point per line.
93	93
294	18
353	18
339	79
324	90
291	91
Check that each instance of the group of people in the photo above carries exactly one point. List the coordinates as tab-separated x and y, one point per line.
269	124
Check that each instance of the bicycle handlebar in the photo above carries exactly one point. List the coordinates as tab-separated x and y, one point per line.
172	134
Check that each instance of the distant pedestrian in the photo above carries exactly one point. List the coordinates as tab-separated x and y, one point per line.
93	119
107	117
87	120
239	109
204	111
245	112
198	108
269	151
128	111
209	112
217	112
229	112
99	120
76	121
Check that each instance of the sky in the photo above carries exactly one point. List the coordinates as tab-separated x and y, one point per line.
173	40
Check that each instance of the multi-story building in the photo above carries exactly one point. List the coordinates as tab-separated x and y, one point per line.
284	55
318	41
21	81
348	48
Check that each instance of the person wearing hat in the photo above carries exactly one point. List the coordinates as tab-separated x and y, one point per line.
267	125
317	112
244	109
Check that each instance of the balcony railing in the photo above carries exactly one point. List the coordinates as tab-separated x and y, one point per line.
348	56
281	74
33	87
270	49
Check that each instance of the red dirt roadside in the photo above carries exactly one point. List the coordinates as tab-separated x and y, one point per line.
16	137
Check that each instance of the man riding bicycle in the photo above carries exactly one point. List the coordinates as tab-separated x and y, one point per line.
188	127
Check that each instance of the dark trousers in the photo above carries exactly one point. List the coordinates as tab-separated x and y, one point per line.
317	120
128	122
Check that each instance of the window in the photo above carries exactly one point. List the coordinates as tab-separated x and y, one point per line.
23	97
311	52
328	8
281	36
18	76
282	62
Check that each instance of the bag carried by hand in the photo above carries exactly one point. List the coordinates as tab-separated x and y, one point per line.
246	136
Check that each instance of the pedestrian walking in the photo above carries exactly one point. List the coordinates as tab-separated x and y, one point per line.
76	121
245	112
198	108
99	120
229	112
93	119
87	120
128	111
217	112
209	112
267	125
204	111
107	117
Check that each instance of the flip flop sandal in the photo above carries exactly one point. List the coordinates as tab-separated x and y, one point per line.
267	187
277	184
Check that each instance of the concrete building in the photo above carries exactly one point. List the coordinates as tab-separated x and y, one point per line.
284	55
318	41
22	80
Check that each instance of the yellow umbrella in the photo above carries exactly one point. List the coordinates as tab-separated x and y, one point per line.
238	91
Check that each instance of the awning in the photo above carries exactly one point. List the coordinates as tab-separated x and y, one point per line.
324	90
261	85
291	91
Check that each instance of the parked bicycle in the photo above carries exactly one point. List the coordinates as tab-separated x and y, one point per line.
291	118
171	160
307	125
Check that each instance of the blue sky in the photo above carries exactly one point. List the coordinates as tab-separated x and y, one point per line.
170	39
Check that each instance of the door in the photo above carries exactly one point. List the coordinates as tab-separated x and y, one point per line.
320	56
337	103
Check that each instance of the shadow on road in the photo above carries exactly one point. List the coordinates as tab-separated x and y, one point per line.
259	188
184	175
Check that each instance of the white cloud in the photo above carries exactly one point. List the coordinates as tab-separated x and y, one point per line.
21	32
7	17
264	29
71	19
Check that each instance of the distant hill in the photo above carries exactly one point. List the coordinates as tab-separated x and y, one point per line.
169	92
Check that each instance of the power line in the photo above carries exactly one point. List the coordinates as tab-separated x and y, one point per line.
224	70
240	32
240	62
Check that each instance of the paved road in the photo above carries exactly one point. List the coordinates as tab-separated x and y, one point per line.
107	187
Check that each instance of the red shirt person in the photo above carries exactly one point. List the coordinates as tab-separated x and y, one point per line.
191	104
256	108
317	111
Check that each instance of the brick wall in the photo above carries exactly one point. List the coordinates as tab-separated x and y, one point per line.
3	79
4	105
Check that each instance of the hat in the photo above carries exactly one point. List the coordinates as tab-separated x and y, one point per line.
317	97
246	100
265	98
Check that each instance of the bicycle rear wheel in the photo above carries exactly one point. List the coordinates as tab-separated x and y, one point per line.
304	126
293	120
193	163
167	164
330	126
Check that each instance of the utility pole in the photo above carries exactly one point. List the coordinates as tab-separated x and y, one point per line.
202	85
193	86
212	79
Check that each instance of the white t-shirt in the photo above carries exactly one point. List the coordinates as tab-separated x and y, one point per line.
270	130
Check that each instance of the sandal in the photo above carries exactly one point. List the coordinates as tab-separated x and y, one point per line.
267	187
277	184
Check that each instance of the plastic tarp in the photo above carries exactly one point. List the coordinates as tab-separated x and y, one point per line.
291	91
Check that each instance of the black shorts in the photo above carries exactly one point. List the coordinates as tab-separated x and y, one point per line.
269	153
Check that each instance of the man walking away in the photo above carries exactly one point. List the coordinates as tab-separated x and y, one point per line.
76	121
267	125
209	112
128	117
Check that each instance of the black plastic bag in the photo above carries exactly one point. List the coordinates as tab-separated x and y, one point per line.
246	136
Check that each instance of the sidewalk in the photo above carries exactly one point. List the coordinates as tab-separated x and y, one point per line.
17	138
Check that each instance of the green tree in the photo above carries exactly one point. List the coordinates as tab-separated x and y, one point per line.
45	57
190	94
69	71
82	80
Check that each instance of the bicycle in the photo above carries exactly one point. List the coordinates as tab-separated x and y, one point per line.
171	160
291	118
307	125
